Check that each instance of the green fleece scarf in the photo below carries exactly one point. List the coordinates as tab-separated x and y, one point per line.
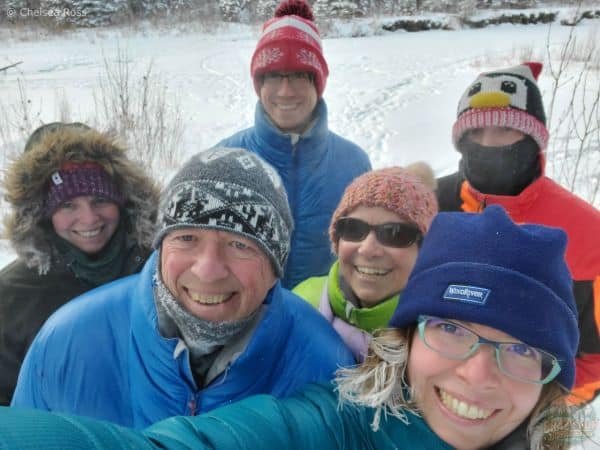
368	318
100	268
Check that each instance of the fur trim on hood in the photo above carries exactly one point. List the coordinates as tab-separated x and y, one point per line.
26	186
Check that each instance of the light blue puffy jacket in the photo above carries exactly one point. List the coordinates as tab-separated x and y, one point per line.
315	171
101	355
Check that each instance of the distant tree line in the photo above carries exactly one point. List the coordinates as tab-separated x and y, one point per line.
94	13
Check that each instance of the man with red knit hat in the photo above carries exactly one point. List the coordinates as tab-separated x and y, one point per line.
501	134
290	132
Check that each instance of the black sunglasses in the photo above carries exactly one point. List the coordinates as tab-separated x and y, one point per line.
392	234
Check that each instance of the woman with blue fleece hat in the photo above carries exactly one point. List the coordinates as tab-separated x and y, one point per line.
482	343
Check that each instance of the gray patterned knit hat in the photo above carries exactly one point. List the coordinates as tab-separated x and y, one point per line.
230	189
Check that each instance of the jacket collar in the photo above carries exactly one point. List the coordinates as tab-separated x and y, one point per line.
159	368
278	147
475	201
144	316
513	204
368	318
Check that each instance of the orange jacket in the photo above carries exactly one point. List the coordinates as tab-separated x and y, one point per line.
547	203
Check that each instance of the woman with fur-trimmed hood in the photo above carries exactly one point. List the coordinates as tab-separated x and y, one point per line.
82	214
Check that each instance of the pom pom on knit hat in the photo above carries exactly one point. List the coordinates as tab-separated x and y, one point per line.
290	42
233	190
484	268
294	8
408	192
504	98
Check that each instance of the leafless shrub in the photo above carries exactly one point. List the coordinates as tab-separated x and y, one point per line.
574	114
17	121
63	107
505	59
138	108
141	111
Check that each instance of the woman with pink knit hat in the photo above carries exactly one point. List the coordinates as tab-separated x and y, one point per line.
376	232
291	132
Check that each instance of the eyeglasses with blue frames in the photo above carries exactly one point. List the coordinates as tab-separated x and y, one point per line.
392	234
515	359
295	79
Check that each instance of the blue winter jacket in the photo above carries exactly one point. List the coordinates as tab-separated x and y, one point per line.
315	171
101	355
310	419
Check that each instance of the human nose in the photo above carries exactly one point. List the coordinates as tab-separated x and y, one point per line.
481	368
88	214
487	138
209	263
370	246
285	86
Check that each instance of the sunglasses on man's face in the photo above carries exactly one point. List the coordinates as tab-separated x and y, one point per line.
392	234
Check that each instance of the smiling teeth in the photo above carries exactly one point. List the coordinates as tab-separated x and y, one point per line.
371	270
462	409
89	234
208	299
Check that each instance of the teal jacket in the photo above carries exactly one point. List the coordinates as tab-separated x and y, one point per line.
308	420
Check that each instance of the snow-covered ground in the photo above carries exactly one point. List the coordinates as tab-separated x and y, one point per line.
395	94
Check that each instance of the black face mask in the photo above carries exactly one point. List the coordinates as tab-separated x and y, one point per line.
505	170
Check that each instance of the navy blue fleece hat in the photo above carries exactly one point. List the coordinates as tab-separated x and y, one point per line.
484	268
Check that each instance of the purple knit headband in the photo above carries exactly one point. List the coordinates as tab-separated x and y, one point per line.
80	179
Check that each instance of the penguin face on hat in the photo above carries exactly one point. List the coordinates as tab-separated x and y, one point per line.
497	90
507	98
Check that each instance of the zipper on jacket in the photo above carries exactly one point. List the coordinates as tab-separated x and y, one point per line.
295	139
192	405
483	204
195	397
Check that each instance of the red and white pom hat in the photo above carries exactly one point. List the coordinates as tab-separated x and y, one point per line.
504	98
290	42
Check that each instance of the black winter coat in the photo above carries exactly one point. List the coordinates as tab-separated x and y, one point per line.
28	299
39	281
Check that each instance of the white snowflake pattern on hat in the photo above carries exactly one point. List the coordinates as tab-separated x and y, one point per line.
309	58
268	56
273	35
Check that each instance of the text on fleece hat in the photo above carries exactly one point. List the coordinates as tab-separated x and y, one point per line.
484	268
